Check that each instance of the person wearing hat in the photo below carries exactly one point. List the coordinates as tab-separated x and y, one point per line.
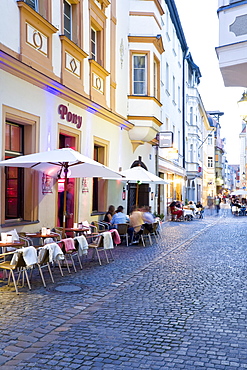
119	217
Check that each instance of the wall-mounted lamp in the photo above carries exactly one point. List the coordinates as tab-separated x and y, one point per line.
123	194
152	195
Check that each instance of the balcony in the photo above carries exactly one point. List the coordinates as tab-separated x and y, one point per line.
146	125
232	49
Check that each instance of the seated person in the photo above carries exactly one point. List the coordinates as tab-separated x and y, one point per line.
192	207
119	217
136	222
175	210
199	206
200	209
109	214
148	218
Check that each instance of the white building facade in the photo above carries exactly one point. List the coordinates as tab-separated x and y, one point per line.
102	77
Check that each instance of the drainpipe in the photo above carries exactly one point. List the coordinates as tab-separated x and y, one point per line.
184	104
183	112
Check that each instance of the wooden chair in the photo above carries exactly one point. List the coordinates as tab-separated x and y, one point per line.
16	265
68	253
98	246
44	261
123	232
146	234
156	231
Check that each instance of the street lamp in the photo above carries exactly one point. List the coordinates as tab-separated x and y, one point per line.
242	105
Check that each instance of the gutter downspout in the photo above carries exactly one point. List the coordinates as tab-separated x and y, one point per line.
183	118
184	105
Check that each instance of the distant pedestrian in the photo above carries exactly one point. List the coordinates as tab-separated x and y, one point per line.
217	202
210	203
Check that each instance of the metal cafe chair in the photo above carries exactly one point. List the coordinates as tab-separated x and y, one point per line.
98	246
16	265
123	232
44	261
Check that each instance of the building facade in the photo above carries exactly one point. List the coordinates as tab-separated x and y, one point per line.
232	52
105	78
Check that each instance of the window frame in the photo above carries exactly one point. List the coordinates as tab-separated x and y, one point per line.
19	177
35	5
147	73
94	55
142	82
167	78
30	125
65	31
210	139
210	162
156	77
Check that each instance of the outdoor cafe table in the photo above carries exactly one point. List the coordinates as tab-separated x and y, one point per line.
13	244
76	230
41	236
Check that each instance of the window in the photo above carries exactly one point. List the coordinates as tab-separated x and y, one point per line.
14	189
210	162
173	89
167	77
67	19
96	41
210	139
40	6
93	44
99	185
179	142
155	79
139	75
191	115
179	97
33	4
191	153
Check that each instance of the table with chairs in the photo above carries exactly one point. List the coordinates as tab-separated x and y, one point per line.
25	258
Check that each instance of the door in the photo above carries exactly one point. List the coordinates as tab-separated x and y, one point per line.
66	141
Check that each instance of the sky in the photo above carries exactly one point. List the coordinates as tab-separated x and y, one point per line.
200	24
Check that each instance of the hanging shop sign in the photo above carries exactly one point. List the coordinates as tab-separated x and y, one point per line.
69	116
166	139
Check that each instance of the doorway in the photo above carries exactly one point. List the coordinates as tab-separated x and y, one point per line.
66	141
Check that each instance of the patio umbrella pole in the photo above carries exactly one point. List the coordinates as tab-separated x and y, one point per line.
137	193
65	196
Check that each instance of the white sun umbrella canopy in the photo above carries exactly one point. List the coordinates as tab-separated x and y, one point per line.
239	192
58	162
53	162
140	175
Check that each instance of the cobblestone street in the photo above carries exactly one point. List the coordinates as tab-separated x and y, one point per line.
180	304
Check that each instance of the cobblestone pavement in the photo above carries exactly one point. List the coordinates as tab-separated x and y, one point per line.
179	304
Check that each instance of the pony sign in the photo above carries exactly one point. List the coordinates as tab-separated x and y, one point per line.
69	116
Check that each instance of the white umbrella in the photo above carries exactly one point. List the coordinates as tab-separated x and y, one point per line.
239	192
58	162
140	175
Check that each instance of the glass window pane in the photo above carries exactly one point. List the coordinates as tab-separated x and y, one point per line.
139	88
139	61
12	189
12	208
139	75
66	9
12	172
93	35
15	138
7	137
32	3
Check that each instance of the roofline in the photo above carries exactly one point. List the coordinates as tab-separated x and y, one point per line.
177	24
